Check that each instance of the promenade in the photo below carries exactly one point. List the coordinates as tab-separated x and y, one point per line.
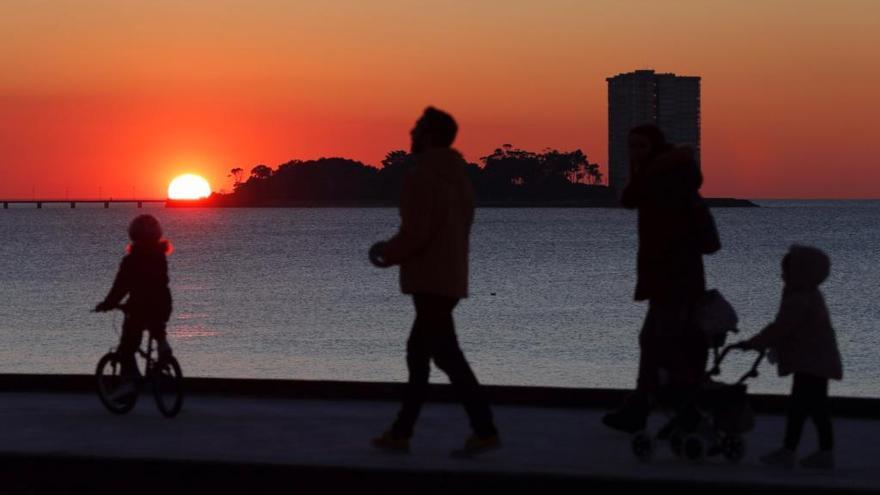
52	441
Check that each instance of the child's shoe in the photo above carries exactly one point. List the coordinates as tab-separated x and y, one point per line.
822	459
782	458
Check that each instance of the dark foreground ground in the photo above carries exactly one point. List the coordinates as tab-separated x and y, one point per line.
55	442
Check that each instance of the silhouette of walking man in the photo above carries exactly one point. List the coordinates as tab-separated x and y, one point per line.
431	247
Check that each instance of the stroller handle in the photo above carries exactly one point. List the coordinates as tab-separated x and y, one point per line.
751	373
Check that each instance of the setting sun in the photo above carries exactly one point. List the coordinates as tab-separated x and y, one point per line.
189	186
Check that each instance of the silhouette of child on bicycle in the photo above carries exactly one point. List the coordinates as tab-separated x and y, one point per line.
143	277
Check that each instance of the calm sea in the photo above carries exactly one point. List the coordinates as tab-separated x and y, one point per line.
288	293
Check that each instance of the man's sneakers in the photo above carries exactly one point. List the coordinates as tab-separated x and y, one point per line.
822	459
391	443
476	445
781	458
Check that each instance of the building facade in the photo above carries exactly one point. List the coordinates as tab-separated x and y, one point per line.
671	102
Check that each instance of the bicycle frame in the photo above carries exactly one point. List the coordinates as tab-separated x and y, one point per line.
162	374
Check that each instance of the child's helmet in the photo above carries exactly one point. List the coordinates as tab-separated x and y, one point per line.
145	228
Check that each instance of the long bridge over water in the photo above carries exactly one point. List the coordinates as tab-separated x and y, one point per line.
73	202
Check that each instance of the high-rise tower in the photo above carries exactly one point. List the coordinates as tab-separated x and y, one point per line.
634	98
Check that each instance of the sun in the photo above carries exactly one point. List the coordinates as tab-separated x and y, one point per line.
189	186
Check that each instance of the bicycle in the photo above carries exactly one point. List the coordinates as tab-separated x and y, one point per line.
161	373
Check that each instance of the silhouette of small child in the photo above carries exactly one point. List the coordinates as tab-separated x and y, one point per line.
803	342
143	277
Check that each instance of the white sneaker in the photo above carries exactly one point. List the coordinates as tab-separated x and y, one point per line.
822	459
781	458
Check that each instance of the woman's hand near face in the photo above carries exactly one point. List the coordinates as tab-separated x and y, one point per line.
633	168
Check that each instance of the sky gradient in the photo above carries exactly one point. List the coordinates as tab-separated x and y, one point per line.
119	97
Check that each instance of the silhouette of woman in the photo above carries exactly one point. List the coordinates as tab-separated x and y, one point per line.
663	186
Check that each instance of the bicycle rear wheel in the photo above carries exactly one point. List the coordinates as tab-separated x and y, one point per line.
168	386
108	380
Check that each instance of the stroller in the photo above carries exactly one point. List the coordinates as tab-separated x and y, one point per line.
711	418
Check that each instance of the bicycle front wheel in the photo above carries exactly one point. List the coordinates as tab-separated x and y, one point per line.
109	384
168	386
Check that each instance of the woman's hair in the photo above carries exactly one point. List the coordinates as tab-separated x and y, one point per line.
145	230
654	136
440	125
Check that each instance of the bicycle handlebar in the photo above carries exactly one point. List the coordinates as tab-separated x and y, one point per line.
120	307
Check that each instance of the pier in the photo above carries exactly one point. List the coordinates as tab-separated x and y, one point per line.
73	202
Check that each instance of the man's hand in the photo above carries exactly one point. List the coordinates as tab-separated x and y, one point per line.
377	255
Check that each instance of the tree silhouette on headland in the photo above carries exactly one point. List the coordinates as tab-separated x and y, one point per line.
261	172
506	176
236	174
509	170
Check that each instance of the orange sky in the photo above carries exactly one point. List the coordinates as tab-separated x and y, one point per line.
121	96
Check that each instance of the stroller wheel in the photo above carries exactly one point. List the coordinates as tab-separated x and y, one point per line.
693	448
733	447
643	446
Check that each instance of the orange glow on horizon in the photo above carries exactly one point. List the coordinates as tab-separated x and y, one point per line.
97	92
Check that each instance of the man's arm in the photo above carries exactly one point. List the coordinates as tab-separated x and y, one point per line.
470	200
416	215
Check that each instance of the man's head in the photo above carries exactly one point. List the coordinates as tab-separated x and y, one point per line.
434	129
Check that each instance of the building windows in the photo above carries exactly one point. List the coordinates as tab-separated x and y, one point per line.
644	96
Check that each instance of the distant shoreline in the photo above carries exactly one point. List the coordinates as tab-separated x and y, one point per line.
585	203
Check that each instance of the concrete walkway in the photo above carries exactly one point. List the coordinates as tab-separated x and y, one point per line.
567	447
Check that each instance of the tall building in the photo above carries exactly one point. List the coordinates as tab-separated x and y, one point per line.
644	96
